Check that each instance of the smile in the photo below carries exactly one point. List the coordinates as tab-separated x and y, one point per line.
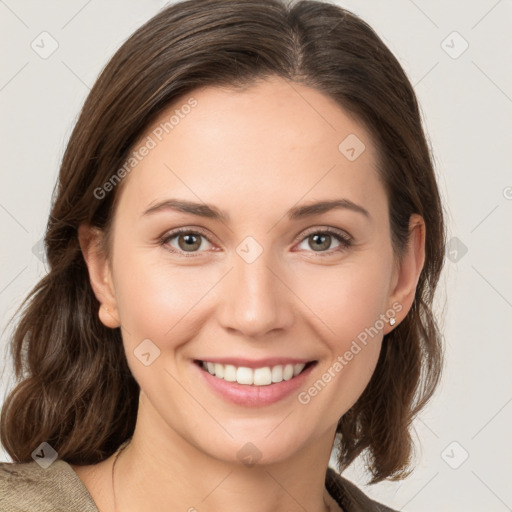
262	376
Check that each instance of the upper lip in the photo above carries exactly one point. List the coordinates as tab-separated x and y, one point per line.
256	363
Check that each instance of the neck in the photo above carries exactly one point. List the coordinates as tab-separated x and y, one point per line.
164	472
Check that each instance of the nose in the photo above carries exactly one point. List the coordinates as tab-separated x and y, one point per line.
255	298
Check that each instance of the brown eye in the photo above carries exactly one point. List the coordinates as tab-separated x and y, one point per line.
186	241
319	241
189	242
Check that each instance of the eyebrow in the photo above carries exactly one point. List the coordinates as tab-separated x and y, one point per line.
295	213
307	210
200	209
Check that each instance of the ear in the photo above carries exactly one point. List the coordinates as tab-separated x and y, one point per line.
407	273
100	275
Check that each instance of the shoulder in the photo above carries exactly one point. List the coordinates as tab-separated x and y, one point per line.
349	496
27	487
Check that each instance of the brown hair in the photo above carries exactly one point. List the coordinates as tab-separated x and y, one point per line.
75	389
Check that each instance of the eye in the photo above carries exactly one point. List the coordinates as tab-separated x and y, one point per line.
185	241
189	242
320	241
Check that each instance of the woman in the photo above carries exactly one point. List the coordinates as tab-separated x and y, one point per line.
244	247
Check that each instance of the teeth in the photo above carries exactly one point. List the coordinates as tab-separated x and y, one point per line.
262	376
277	374
219	370
288	372
257	377
244	375
229	373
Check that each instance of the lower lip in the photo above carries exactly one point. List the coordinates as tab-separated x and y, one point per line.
254	396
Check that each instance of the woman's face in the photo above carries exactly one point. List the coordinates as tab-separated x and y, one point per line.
259	279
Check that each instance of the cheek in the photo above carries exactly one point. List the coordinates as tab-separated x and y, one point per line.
157	300
347	301
348	298
347	305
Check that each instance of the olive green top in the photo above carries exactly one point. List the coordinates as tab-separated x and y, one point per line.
27	487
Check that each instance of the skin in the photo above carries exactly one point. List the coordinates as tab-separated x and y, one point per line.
254	154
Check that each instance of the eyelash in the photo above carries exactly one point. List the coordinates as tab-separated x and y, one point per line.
345	240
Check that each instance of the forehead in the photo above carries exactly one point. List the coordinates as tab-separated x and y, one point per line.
276	139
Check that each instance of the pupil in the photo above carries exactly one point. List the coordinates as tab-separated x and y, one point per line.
322	240
189	242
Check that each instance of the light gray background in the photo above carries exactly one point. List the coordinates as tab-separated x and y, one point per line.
467	107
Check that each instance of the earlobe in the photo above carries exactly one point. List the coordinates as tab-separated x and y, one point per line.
409	271
100	277
109	317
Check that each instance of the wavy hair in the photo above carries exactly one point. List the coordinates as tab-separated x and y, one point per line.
73	387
